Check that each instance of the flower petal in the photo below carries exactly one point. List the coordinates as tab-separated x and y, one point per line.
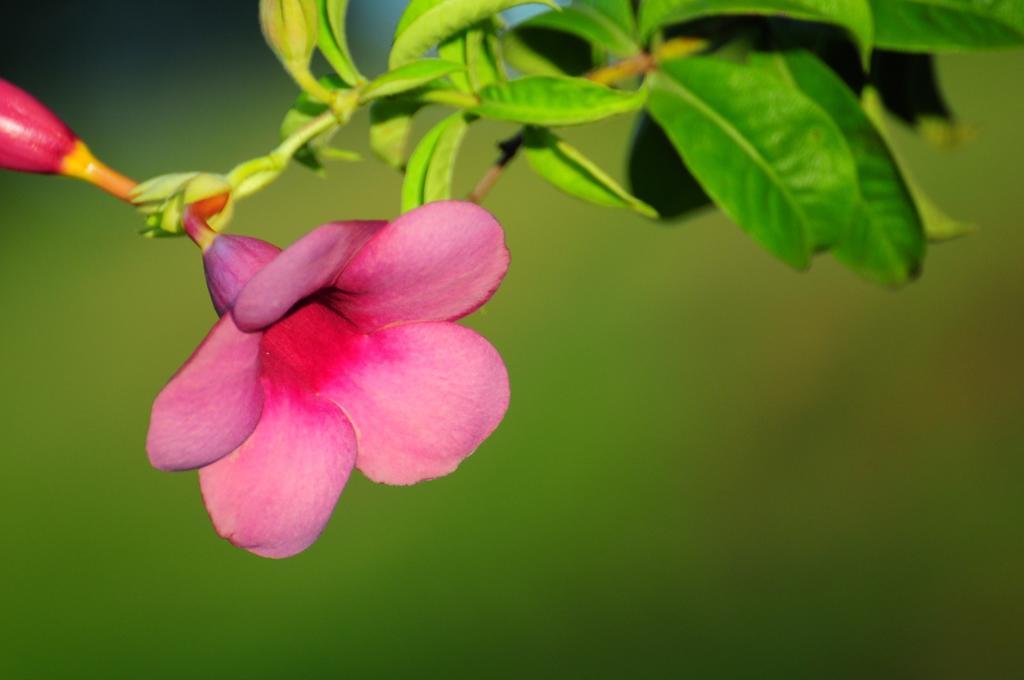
439	262
311	263
211	405
274	495
422	397
230	262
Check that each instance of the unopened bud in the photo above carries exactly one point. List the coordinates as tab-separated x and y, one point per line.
291	28
33	139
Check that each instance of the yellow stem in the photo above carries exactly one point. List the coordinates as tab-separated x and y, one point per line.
81	164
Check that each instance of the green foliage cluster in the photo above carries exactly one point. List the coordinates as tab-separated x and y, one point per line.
769	109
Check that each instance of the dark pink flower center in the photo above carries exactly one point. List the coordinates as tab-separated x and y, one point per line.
306	347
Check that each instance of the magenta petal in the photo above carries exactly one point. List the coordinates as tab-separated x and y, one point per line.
436	263
311	263
274	495
422	397
230	262
211	405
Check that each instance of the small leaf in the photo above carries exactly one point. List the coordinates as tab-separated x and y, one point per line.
932	25
390	126
853	15
409	77
425	23
333	40
538	51
770	157
591	25
569	170
483	56
478	49
938	226
886	240
454	49
429	175
657	175
160	189
553	101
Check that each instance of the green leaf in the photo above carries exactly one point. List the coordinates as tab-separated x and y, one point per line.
483	56
658	176
938	226
591	25
479	50
454	49
886	240
425	23
619	11
552	101
390	127
538	51
409	77
768	155
428	177
931	25
333	40
852	15
569	170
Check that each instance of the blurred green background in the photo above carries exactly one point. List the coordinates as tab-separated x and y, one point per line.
712	466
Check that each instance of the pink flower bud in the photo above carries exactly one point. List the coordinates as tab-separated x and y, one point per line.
32	139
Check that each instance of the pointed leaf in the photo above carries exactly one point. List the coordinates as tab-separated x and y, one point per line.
478	49
658	176
454	49
938	226
483	56
852	15
591	25
425	23
428	177
541	52
770	157
409	77
569	170
333	40
886	241
931	25
553	101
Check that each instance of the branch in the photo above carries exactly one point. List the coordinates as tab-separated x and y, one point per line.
509	150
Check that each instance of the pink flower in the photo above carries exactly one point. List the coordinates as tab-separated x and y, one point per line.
33	139
338	352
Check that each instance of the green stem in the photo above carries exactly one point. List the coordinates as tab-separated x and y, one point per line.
308	82
325	122
253	175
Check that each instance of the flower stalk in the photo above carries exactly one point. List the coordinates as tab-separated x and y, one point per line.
82	164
